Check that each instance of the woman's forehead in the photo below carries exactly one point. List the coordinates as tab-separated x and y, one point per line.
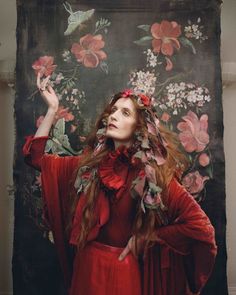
125	102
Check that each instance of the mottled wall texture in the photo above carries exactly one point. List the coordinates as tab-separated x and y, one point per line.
93	48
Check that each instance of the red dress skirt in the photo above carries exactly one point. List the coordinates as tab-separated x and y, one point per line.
97	271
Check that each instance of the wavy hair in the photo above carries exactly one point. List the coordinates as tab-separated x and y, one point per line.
145	224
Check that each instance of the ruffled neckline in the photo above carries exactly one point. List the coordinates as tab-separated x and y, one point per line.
109	178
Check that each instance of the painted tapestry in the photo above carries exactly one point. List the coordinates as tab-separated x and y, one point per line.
169	50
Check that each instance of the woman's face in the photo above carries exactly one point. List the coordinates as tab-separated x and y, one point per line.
122	122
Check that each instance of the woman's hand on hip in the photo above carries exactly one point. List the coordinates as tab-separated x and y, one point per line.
130	247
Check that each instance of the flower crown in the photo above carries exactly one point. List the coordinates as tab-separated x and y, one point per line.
142	99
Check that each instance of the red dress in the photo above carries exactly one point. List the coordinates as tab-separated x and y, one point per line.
181	261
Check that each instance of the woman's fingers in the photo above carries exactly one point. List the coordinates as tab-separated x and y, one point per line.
44	84
51	90
124	252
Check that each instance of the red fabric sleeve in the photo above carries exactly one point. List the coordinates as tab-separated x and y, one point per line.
190	234
57	179
33	150
189	223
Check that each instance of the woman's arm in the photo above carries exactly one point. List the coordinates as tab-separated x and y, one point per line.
33	149
52	101
191	222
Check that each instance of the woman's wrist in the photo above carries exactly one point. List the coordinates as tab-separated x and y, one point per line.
52	110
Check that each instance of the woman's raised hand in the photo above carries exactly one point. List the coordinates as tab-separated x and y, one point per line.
48	93
52	101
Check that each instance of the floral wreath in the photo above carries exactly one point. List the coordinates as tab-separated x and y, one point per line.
144	186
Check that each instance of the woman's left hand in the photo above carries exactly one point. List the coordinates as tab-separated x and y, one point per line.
131	247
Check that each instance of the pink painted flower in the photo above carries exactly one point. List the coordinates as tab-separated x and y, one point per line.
194	182
88	50
63	113
204	159
194	136
82	138
165	37
169	64
165	117
44	65
73	128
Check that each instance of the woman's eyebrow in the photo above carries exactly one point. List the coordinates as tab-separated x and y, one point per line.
125	109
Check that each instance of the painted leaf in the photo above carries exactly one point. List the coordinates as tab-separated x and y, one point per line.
187	43
144	41
146	28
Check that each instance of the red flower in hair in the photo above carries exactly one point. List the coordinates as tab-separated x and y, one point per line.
127	92
145	99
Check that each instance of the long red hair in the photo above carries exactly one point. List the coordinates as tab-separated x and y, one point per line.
176	163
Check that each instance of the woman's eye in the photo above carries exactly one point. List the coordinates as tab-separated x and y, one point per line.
126	113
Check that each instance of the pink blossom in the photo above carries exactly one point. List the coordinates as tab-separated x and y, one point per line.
82	138
44	65
194	182
72	128
193	135
204	160
165	117
88	50
165	37
169	64
63	113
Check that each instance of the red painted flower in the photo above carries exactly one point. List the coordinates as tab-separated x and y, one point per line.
44	65
61	113
194	182
194	136
145	99
165	37
88	50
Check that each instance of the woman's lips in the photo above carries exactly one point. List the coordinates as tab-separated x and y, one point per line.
112	125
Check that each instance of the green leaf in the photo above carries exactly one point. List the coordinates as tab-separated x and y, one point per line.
144	41
59	128
155	189
146	28
48	146
209	171
187	43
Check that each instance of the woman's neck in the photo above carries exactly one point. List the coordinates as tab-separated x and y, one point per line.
117	144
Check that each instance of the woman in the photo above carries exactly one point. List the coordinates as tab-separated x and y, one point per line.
120	206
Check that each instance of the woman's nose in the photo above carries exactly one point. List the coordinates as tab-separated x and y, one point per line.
114	116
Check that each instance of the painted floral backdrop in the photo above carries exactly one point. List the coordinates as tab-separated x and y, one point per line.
90	53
